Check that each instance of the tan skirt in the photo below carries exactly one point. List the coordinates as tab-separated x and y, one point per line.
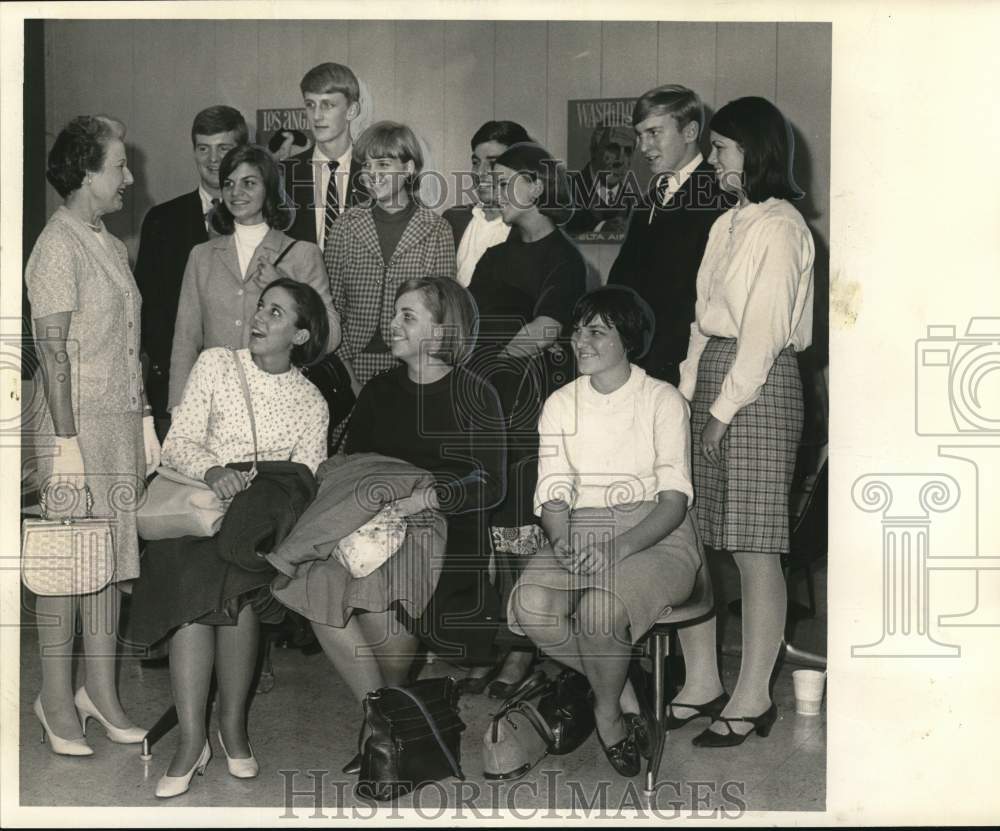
648	583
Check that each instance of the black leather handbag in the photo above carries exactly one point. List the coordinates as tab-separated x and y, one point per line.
411	736
568	710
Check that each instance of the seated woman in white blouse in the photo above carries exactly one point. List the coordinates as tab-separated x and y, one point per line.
211	614
614	487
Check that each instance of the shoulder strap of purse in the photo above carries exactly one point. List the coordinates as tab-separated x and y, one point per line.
452	762
246	396
281	256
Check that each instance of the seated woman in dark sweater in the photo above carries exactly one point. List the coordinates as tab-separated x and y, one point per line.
433	413
525	288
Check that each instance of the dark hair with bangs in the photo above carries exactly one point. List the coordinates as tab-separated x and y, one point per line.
502	132
555	201
276	211
622	308
454	312
310	315
765	138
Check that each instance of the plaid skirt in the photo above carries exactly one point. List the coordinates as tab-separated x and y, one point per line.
744	505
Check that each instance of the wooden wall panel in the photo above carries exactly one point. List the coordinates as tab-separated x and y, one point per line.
746	59
420	90
164	167
468	101
628	68
574	72
686	55
371	45
574	52
237	70
445	78
520	75
806	104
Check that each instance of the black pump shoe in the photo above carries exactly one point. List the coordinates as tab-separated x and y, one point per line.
711	709
624	755
353	767
761	725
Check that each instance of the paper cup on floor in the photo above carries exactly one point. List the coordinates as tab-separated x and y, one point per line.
808	685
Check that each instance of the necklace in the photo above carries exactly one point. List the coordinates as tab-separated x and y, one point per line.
94	226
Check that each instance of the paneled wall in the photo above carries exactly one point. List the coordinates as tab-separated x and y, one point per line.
443	77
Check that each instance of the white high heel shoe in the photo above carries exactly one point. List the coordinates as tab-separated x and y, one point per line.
169	786
87	709
240	768
64	747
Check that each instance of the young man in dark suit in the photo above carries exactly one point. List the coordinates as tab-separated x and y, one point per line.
324	182
169	231
666	238
478	226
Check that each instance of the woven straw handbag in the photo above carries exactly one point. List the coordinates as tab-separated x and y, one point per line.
69	556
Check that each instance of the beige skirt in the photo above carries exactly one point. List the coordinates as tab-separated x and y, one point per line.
647	583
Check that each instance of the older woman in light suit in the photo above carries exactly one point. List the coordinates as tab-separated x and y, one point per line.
85	306
225	275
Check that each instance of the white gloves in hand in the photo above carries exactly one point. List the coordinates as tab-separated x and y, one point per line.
151	444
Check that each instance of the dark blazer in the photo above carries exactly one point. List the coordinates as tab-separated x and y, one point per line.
298	175
169	232
458	218
660	260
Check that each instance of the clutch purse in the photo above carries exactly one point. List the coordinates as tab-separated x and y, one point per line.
368	547
70	556
179	506
411	736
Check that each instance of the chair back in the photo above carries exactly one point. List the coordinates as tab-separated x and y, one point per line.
808	538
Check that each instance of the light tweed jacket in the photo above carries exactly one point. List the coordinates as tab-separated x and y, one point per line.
217	305
363	286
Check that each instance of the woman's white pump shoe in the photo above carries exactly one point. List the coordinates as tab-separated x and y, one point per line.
240	768
169	786
87	709
64	747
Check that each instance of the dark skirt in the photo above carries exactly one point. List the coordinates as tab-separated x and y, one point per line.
184	581
744	506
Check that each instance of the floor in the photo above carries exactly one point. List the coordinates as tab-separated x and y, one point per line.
307	727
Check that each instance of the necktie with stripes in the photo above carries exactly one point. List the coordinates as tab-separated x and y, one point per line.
659	194
332	199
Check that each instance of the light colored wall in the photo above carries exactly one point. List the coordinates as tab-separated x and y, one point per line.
442	77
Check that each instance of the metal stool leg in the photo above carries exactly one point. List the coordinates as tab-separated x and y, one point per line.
166	723
659	668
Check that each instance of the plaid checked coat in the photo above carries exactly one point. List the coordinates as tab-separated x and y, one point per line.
363	287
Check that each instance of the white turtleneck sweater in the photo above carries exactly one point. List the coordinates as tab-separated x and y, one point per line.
600	450
248	237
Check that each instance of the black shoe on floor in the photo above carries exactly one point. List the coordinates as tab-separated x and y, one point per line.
353	767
